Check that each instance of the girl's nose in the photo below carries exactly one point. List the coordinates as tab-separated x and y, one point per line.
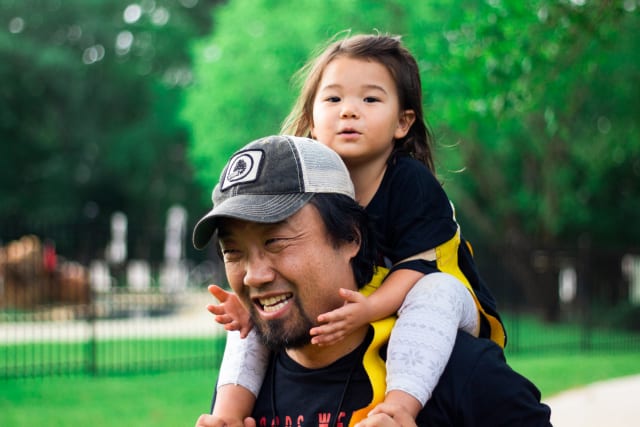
348	112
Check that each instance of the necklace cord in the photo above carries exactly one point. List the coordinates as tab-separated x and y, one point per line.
355	364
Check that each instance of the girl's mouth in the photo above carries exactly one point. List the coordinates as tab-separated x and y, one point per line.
349	132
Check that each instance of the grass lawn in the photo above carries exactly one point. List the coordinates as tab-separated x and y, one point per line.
176	399
166	399
556	372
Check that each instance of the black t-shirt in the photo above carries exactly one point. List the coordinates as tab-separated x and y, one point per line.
307	397
412	214
477	388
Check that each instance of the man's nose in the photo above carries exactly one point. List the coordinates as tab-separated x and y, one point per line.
259	270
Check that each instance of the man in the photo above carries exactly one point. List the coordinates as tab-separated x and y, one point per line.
291	235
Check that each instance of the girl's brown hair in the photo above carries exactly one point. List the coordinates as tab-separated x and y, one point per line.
388	51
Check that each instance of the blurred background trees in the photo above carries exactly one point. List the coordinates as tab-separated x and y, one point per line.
89	104
135	106
535	102
534	105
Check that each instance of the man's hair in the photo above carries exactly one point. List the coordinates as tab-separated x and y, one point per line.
347	221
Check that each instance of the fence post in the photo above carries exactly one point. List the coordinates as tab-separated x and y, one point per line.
584	246
92	363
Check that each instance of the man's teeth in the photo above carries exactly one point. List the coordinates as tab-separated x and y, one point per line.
273	303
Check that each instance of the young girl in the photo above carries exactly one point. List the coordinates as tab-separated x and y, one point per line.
362	97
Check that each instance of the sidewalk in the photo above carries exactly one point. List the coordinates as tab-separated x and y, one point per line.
607	403
190	319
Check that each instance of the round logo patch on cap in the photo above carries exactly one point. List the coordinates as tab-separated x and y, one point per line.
243	168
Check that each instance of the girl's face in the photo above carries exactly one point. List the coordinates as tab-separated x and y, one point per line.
356	111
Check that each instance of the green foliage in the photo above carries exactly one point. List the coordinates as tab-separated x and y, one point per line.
88	111
536	102
541	124
243	71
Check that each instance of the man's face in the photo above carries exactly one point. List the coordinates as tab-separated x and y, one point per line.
286	273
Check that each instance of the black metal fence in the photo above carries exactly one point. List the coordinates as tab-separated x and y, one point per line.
120	331
61	317
572	299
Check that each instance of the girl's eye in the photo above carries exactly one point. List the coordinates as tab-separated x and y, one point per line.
371	99
333	99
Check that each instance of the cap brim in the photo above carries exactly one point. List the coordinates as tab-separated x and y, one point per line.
265	209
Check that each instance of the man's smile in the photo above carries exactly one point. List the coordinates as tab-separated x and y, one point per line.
275	303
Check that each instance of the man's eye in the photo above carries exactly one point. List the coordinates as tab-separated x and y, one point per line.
276	243
230	254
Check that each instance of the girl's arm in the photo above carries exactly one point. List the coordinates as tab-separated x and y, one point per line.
244	362
233	404
360	310
429	315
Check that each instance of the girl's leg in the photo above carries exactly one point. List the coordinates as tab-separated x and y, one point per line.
425	332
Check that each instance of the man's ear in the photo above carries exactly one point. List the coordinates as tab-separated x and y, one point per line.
406	120
355	240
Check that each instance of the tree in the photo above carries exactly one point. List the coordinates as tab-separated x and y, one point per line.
539	101
534	104
88	122
243	88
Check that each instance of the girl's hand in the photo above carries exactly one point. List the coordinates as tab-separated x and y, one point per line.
342	321
229	312
206	420
388	415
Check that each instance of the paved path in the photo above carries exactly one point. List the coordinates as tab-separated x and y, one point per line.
612	403
191	319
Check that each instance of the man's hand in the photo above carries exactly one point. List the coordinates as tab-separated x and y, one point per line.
230	312
206	420
342	321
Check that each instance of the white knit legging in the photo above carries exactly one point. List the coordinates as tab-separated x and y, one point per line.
419	348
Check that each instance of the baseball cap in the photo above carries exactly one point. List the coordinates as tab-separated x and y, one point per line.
270	179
